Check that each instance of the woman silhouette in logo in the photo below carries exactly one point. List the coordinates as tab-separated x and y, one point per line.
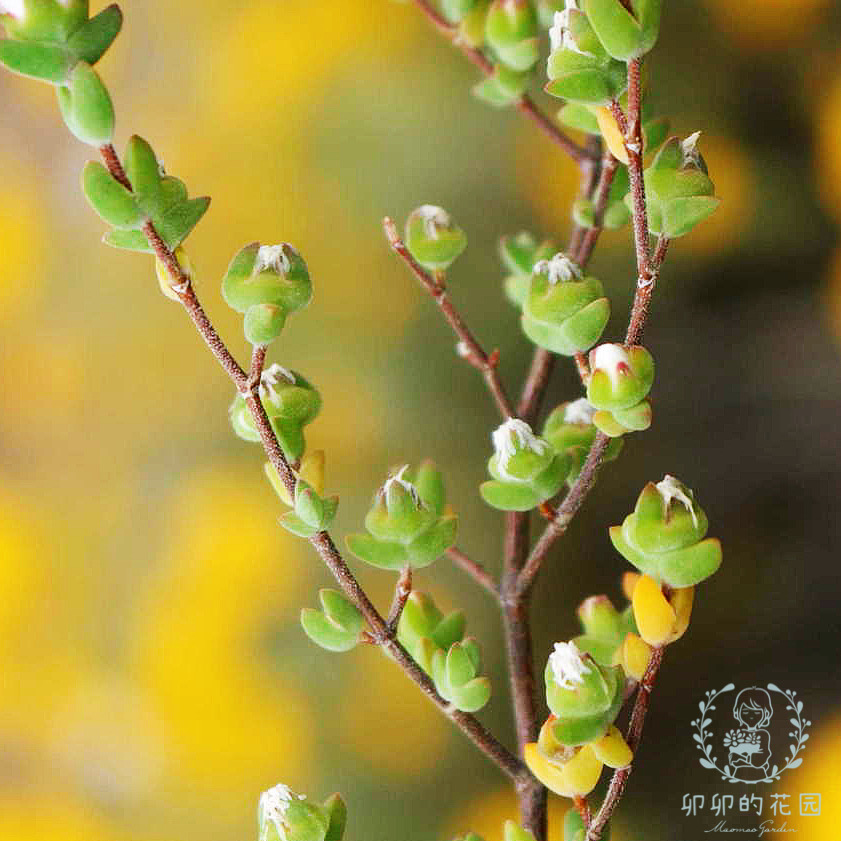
750	746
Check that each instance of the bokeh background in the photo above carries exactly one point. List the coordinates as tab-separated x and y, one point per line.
155	679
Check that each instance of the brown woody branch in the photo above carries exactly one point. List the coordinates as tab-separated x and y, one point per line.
323	543
526	104
468	348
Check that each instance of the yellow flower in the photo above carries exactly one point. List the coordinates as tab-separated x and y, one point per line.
661	620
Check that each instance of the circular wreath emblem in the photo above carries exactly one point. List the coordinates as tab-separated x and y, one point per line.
746	746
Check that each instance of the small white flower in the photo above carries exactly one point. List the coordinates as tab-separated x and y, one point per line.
272	257
579	411
611	359
691	155
272	809
462	349
13	8
568	666
559	34
671	488
270	378
559	268
434	218
512	437
407	486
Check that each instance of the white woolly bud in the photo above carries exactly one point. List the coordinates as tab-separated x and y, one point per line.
568	666
559	268
670	488
434	218
512	437
559	34
274	804
407	486
689	147
272	257
580	411
270	378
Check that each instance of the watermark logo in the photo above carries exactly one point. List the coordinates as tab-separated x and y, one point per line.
737	738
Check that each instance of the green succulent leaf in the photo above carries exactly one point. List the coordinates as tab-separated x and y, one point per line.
90	41
47	62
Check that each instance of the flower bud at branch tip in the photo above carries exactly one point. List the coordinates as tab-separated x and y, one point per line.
274	805
272	257
513	436
434	218
558	269
671	488
568	665
397	479
579	411
612	359
270	378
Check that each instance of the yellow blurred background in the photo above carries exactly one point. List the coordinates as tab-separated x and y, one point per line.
155	679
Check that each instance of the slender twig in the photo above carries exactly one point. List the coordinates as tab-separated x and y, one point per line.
542	365
564	513
581	246
323	543
468	347
642	298
648	268
258	360
620	777
401	595
518	640
525	105
474	569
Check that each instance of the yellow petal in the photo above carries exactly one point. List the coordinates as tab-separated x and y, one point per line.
279	487
610	132
655	617
548	773
312	470
582	772
634	656
546	740
681	601
612	749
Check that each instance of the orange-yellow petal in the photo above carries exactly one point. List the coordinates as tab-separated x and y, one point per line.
654	615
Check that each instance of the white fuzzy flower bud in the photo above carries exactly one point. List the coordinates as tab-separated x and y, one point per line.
568	666
670	488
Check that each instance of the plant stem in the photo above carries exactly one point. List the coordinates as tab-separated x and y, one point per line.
468	348
648	269
248	386
564	513
474	569
526	104
620	777
401	595
515	609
